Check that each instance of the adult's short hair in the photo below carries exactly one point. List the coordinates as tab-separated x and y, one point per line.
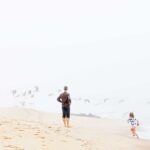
65	88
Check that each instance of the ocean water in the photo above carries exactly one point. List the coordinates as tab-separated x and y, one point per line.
113	107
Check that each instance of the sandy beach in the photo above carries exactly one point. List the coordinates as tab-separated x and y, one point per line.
27	129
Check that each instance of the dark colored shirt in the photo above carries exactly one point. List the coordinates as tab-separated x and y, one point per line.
65	99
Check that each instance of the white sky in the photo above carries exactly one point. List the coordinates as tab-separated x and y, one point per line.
93	46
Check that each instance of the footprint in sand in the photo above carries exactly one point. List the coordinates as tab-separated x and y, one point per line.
88	145
7	138
14	147
44	145
49	127
5	122
64	141
41	137
78	139
57	131
37	133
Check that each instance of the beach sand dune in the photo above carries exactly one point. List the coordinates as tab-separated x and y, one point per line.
27	129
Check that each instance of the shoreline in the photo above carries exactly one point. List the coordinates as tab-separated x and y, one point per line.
45	131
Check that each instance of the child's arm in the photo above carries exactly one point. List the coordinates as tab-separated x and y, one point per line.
128	121
138	123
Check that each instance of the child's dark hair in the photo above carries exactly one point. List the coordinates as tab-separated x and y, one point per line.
131	114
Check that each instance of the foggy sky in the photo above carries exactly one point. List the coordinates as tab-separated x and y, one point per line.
92	46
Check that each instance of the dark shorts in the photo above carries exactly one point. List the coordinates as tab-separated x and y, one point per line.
66	112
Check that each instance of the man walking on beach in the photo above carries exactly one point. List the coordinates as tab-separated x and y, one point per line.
65	99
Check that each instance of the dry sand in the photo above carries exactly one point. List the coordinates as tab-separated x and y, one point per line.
26	129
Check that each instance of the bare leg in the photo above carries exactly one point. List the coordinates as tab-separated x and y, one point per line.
64	121
67	120
135	134
133	130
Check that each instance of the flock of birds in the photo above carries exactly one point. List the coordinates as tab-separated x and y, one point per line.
29	95
25	93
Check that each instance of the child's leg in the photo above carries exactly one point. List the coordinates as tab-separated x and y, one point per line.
134	132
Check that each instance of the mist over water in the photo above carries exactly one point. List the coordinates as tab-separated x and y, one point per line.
100	49
114	107
101	83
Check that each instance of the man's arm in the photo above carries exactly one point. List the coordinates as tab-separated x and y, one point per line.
69	98
59	99
138	123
